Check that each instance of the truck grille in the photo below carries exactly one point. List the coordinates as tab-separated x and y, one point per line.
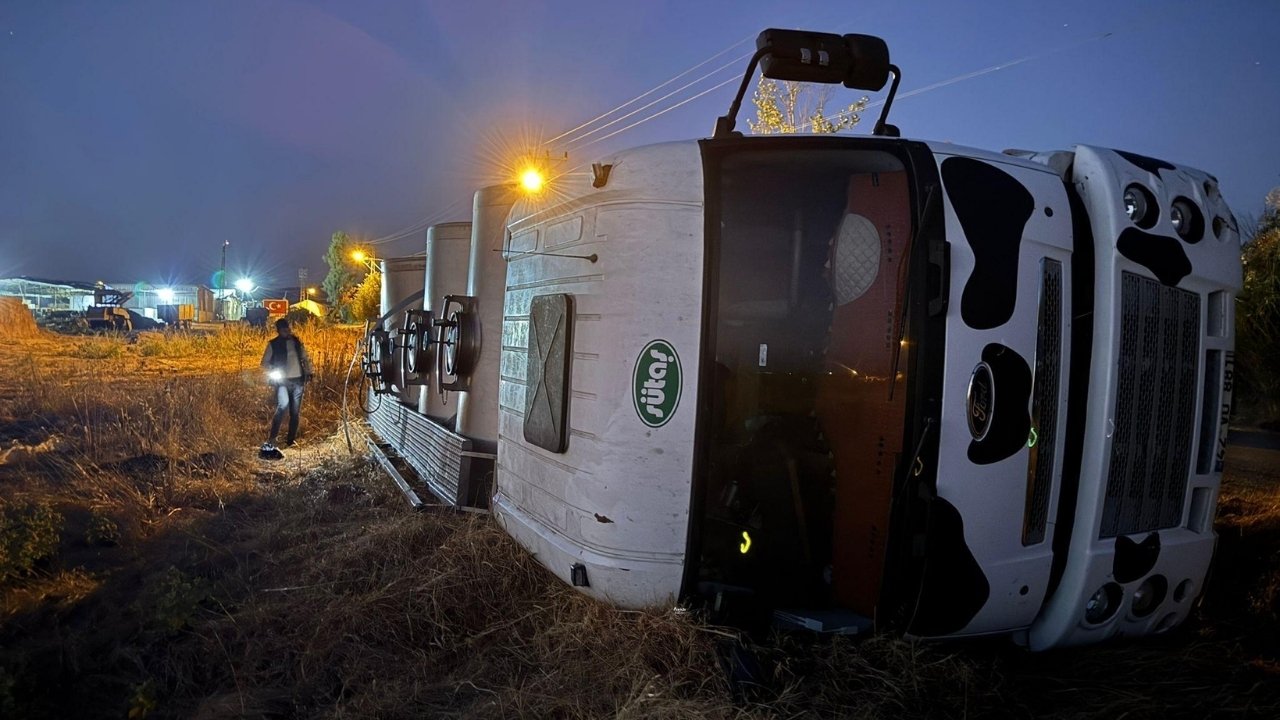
1155	407
1044	403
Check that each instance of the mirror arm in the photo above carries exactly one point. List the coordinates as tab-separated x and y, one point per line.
888	103
725	124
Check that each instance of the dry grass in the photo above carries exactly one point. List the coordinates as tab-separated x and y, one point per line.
192	580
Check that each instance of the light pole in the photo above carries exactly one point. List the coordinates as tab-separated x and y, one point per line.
219	310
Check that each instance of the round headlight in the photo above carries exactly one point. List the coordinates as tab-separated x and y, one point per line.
1186	220
1140	206
1149	595
1103	604
1135	206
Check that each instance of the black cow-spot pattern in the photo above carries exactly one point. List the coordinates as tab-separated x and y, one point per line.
1162	255
1010	414
993	209
1150	164
954	587
1134	560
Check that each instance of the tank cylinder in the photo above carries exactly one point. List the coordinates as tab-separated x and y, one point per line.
400	277
448	253
486	281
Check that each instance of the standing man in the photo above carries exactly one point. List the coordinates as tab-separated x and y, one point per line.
288	370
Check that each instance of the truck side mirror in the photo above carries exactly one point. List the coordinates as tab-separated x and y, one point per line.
869	62
857	61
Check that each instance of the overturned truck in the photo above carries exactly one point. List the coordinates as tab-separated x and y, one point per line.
836	381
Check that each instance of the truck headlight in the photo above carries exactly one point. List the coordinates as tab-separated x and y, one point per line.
1186	220
1149	595
1103	604
1139	205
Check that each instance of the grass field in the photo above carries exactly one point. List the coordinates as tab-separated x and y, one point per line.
151	566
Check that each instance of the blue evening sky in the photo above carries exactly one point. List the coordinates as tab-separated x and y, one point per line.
136	136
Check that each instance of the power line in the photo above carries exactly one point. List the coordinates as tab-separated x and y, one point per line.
659	113
968	76
646	93
423	224
664	97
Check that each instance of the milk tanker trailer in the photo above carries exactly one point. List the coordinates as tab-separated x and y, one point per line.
838	381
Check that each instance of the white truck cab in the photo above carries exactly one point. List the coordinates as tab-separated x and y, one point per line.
836	382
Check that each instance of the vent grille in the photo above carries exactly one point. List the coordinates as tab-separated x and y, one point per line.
1044	403
440	457
1155	407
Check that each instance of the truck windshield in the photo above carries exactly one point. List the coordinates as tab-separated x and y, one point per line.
808	388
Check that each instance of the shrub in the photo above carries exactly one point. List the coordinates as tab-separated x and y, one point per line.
102	530
1258	321
173	599
29	533
301	316
99	348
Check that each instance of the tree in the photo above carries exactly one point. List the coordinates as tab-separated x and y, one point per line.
341	280
1258	320
366	298
792	107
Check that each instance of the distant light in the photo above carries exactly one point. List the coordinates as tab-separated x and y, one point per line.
244	285
165	295
531	180
311	291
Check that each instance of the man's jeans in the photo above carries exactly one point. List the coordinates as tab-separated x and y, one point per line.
288	397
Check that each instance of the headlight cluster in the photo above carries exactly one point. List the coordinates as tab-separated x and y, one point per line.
1141	207
1145	600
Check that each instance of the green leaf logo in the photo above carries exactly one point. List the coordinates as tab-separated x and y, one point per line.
656	382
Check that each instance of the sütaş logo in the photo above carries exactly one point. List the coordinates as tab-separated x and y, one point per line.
656	383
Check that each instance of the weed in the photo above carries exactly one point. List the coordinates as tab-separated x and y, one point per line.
101	530
29	533
99	348
174	598
143	702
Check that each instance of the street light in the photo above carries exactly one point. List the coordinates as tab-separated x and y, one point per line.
532	180
311	291
365	259
244	285
165	295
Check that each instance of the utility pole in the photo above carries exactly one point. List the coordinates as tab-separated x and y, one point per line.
220	305
302	284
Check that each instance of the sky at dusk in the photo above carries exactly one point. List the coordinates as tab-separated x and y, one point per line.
137	136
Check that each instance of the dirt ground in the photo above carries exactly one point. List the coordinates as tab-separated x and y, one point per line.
152	566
